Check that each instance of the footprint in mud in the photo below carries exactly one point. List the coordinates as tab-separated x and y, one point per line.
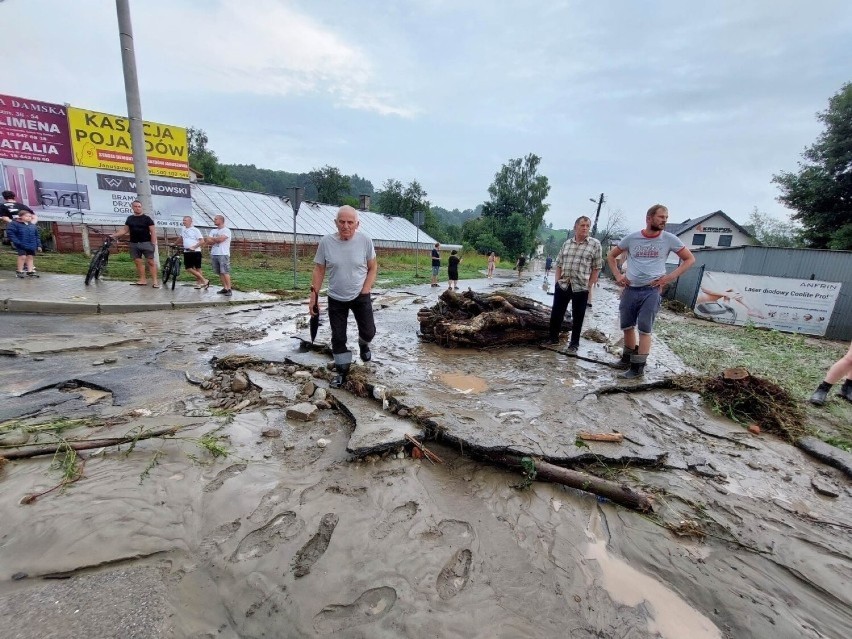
316	546
223	476
397	516
269	502
449	531
454	575
259	542
219	536
312	492
371	606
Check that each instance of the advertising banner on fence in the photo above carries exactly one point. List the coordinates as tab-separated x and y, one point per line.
102	141
34	131
795	306
60	193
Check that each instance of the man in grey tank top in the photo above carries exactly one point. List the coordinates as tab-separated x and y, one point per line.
643	284
349	258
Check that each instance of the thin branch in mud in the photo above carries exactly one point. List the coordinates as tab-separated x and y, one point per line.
72	472
26	452
432	457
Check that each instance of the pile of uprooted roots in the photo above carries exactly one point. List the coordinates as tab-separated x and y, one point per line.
745	398
490	319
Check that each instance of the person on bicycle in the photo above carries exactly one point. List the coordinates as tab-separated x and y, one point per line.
192	241
143	243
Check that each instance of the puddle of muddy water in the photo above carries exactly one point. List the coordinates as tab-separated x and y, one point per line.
670	616
464	383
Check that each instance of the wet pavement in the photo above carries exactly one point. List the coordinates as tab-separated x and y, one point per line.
68	294
741	543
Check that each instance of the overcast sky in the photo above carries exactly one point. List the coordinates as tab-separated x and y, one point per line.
695	105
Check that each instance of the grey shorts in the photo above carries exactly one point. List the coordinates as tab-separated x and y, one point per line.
221	264
639	306
138	250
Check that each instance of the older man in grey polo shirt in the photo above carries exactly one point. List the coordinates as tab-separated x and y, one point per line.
350	260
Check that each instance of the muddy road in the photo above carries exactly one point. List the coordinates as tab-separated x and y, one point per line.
291	535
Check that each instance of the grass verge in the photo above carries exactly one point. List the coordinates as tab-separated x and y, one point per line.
262	272
795	362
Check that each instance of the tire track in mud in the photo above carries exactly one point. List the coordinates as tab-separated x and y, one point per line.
371	606
311	552
276	531
397	516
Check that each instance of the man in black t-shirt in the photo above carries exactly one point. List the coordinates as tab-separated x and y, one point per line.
143	243
436	264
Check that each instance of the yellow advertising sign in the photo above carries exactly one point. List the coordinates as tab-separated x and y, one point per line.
102	141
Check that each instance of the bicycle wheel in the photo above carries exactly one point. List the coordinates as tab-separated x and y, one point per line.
94	268
167	271
175	271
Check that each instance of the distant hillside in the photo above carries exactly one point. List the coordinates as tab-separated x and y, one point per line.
277	182
456	217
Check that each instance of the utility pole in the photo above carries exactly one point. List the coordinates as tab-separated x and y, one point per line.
600	202
134	111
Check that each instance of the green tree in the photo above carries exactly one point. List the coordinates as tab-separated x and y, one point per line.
821	192
204	160
394	199
772	232
517	189
330	184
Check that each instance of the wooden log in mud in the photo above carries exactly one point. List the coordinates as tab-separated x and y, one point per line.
85	444
618	493
485	319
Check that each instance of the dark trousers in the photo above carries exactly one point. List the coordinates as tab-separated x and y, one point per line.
338	317
578	300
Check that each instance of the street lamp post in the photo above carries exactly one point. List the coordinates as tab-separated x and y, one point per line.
295	194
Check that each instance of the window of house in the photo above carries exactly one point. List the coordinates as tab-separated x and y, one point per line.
698	239
725	240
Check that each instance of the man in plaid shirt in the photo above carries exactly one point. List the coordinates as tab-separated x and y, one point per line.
577	267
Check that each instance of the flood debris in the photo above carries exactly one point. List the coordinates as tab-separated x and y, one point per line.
619	493
86	444
485	319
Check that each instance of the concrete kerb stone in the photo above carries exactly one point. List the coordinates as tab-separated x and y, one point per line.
51	307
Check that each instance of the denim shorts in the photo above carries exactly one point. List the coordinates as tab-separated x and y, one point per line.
221	264
435	270
639	306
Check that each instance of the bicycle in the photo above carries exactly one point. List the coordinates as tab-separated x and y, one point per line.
171	267
100	261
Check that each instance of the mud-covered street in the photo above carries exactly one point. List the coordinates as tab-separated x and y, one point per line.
318	520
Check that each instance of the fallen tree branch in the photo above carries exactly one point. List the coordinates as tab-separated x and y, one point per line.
615	492
86	444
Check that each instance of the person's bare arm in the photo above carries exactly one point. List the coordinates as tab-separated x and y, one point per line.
153	230
611	259
124	231
372	272
316	283
687	259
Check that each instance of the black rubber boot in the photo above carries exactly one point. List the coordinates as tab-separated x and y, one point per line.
624	362
340	379
820	395
637	367
364	349
846	390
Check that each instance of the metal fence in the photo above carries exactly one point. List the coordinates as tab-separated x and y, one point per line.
801	264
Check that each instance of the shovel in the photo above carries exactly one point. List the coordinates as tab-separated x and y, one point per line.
314	324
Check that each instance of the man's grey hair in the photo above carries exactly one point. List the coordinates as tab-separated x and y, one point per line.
347	209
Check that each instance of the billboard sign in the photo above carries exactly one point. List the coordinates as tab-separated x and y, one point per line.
34	131
102	141
784	304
